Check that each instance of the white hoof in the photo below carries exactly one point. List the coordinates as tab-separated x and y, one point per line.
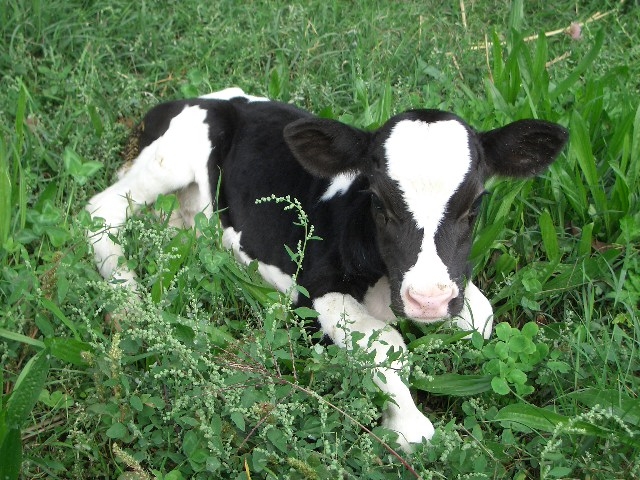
411	428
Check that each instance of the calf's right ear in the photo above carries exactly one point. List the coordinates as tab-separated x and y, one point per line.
523	148
326	148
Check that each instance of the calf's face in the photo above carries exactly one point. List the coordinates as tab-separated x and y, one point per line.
426	171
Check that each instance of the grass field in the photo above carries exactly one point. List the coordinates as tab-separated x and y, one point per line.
210	375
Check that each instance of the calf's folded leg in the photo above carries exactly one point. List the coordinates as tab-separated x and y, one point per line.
339	317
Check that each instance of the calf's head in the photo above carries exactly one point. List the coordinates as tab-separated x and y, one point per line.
426	171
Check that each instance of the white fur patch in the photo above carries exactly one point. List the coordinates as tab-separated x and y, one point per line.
233	92
429	161
270	273
338	186
173	162
377	300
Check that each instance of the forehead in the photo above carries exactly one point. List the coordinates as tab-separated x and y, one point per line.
429	161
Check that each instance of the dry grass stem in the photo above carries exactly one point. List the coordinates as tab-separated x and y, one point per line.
464	14
557	59
486	45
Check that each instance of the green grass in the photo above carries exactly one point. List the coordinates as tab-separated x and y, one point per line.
210	375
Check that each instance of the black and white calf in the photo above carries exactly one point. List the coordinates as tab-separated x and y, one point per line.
395	208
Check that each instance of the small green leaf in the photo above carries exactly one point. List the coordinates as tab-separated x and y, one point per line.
80	170
68	349
291	253
58	236
212	260
560	367
531	282
136	403
519	344
191	444
219	336
305	312
477	340
117	430
277	438
302	290
503	331
559	472
166	203
174	475
530	304
500	386
238	419
530	329
517	376
502	350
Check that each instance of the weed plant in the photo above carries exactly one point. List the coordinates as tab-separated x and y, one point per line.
209	373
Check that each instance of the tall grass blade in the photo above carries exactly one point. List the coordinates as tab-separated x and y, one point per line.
19	337
516	15
583	154
454	384
586	238
5	196
633	172
621	405
540	419
21	108
11	455
577	72
549	236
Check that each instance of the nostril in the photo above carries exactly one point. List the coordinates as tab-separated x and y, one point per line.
432	298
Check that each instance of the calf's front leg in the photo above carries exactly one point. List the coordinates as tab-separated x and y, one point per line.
339	316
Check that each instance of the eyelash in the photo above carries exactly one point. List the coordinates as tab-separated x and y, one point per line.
378	206
376	202
475	206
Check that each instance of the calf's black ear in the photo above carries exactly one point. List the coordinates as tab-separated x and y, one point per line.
523	148
326	148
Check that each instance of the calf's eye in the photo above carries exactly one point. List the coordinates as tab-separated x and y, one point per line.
473	212
376	203
378	207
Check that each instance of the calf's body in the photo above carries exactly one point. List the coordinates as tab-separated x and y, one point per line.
395	209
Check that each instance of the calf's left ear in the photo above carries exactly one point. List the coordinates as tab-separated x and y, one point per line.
326	148
523	148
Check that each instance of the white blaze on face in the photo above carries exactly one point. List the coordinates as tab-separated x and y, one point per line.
429	161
